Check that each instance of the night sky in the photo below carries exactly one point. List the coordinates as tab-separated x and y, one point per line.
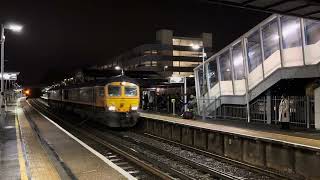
61	36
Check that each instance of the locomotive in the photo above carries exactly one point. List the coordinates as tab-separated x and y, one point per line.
114	102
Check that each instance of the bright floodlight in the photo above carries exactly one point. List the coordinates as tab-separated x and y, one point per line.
117	68
15	27
195	46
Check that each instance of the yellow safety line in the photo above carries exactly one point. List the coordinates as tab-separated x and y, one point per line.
22	162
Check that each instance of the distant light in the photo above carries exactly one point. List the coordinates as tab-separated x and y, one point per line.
165	67
195	46
117	68
191	76
15	27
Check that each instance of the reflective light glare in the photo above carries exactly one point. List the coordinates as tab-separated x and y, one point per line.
195	46
237	60
117	68
289	29
123	83
14	27
134	108
112	108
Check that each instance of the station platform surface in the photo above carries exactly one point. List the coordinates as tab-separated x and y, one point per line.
305	139
34	147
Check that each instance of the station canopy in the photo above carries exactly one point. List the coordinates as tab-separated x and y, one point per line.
301	8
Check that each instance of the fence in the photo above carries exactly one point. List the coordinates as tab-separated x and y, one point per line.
301	110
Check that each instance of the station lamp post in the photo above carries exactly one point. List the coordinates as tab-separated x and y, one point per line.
15	28
196	47
118	68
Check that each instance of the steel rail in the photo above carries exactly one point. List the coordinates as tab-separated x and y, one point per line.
132	158
274	174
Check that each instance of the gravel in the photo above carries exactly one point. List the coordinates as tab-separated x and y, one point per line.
204	160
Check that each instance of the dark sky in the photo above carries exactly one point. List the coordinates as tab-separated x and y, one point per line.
61	36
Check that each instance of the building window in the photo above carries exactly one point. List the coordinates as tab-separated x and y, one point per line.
186	42
187	53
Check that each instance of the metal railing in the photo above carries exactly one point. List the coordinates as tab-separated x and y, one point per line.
301	108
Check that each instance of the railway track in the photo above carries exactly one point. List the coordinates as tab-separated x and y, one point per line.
271	173
170	165
123	157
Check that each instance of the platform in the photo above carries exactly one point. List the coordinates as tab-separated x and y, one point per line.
37	148
303	139
285	151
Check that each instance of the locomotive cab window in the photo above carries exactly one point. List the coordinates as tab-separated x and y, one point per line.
114	90
130	90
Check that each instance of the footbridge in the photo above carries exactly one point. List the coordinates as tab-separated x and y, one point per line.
279	48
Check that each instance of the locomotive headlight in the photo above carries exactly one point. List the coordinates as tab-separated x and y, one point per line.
112	108
134	108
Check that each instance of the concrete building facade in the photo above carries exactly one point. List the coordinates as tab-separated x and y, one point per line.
169	55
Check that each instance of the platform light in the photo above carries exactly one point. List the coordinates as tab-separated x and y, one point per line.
195	46
14	27
117	68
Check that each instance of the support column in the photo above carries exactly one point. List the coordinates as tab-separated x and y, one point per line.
268	108
317	108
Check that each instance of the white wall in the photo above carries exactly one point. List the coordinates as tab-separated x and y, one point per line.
255	76
292	57
226	88
272	63
214	91
240	87
312	53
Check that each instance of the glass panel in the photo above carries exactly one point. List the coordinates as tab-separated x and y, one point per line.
203	87
271	47
187	53
237	59
114	90
130	90
254	50
312	32
292	42
270	36
225	66
213	75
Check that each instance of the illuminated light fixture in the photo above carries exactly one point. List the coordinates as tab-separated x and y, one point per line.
134	108
14	27
112	108
123	83
191	76
165	67
117	68
27	92
195	46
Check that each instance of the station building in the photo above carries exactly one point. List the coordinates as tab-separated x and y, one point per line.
169	55
244	80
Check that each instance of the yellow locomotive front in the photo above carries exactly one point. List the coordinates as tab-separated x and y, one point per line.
122	102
